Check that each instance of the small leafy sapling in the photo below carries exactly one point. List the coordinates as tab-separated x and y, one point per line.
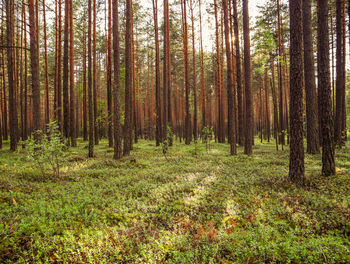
47	149
166	142
207	133
196	148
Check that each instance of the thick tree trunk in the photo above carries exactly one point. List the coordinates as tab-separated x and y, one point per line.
296	160
34	47
313	144
324	95
10	71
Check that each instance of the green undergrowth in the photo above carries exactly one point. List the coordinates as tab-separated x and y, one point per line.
188	207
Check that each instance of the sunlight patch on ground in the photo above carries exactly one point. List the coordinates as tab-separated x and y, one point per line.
201	191
231	208
166	190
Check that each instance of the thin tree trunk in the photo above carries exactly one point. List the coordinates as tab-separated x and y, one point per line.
4	112
46	89
203	91
66	122
109	75
188	134
166	81
248	83
59	63
95	74
230	103
280	78
195	118
56	70
22	114
85	132
91	115
267	106
116	90
128	79
158	105
72	132
239	77
313	145
340	85
219	131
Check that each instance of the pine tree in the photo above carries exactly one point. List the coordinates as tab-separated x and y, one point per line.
324	94
128	79
116	91
313	145
296	160
247	83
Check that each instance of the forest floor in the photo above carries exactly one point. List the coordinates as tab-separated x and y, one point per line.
193	207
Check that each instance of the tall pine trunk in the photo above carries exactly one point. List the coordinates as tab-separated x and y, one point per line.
230	97
46	89
239	77
34	58
59	65
116	91
85	131
158	105
128	79
66	122
203	91
280	79
195	118
313	144
94	74
340	80
296	160
109	76
248	149
10	71
91	114
72	130
188	134
324	95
